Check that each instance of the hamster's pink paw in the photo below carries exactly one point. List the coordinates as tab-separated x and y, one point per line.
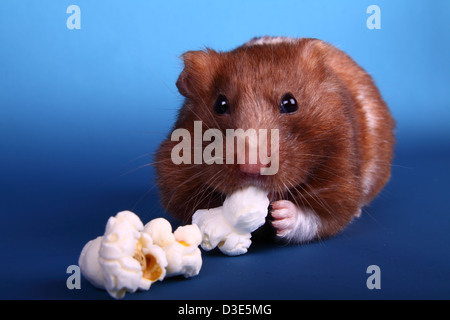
285	215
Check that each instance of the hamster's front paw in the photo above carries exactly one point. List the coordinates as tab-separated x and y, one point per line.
294	224
284	214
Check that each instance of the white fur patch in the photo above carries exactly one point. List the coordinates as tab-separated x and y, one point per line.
372	121
369	112
270	40
306	226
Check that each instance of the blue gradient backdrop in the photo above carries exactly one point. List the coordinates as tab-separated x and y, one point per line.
82	111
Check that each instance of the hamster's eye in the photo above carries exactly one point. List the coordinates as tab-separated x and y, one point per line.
288	104
221	106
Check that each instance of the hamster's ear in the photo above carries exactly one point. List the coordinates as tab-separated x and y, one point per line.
312	53
197	75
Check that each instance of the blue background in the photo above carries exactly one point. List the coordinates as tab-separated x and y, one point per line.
82	111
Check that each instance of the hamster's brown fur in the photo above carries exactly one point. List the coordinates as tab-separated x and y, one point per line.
335	152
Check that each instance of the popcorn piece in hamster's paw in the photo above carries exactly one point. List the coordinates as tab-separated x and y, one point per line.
183	256
229	227
89	264
246	209
217	232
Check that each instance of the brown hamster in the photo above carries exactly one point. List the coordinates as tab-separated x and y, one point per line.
335	133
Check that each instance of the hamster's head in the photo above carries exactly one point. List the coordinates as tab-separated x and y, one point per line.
283	88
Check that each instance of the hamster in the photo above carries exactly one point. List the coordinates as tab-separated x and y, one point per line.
336	134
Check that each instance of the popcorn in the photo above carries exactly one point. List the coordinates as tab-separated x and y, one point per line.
89	264
181	247
229	227
160	231
246	209
131	256
183	255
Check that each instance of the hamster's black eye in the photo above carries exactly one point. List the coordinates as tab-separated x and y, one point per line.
221	106
288	104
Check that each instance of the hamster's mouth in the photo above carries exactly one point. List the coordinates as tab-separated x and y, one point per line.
250	175
277	190
277	186
254	179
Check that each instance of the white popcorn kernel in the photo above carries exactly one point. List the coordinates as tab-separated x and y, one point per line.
160	231
235	244
217	232
229	227
121	272
182	261
181	247
246	209
188	235
131	218
213	226
183	256
124	259
89	265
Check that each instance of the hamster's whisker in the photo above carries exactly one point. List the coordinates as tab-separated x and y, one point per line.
133	170
214	189
293	197
323	168
318	137
139	157
316	198
294	186
322	156
205	187
211	115
141	198
192	177
205	107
